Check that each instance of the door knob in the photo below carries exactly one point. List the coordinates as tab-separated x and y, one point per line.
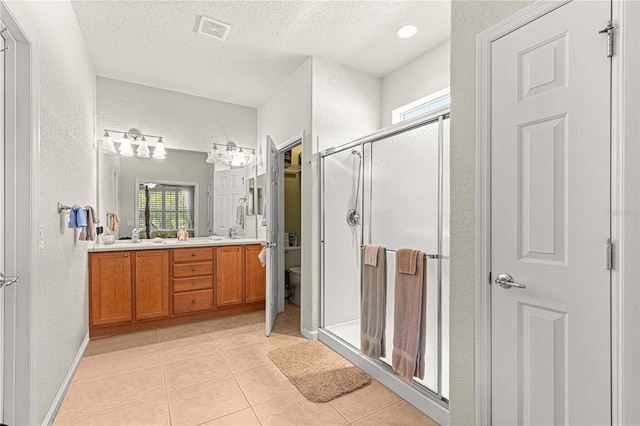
506	281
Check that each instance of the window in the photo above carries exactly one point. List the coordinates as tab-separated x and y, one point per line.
421	106
171	207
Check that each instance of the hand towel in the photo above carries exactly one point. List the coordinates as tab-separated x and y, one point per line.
114	219
263	257
373	311
409	322
240	213
77	217
371	255
88	232
407	264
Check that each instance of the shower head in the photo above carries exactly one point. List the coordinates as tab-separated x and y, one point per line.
356	152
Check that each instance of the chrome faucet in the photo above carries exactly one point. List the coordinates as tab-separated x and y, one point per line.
232	232
135	235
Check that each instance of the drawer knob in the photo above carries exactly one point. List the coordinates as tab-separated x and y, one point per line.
193	301
193	283
193	254
139	254
193	269
126	255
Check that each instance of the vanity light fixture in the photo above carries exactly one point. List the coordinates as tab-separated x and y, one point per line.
133	137
407	31
232	154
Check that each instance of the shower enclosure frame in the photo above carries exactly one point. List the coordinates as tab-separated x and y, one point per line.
430	402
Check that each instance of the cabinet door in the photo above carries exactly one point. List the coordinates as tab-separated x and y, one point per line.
152	284
110	288
229	276
255	275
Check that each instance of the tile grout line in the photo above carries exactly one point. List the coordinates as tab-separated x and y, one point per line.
378	411
240	387
164	375
66	419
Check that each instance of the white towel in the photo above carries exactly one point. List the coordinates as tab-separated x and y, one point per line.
240	213
263	256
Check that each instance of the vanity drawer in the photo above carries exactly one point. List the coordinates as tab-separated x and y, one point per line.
192	301
189	284
192	269
195	254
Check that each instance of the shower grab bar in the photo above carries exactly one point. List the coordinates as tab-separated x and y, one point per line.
429	256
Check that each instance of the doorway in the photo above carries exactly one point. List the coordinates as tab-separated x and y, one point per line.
544	167
291	218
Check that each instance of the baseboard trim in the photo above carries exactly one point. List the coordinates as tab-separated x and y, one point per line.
311	335
406	391
57	401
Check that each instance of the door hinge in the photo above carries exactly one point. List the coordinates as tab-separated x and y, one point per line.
609	254
609	31
489	277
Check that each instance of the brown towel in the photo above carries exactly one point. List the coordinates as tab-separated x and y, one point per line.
113	221
373	308
88	232
407	264
371	255
409	321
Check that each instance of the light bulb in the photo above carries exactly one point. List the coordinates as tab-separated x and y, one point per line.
125	146
241	158
159	153
407	31
107	146
143	148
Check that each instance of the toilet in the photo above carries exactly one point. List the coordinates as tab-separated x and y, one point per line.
294	284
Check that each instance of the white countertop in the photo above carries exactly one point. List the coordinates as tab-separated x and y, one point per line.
124	245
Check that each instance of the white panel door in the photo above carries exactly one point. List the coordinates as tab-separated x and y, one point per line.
2	224
273	172
229	188
550	190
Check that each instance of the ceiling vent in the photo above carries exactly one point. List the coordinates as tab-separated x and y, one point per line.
212	28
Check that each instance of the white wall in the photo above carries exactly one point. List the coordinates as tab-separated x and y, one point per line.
68	175
421	77
185	121
346	106
468	18
286	113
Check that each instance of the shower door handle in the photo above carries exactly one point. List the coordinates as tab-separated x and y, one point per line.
268	245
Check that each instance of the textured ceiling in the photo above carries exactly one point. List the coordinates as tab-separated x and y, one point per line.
153	42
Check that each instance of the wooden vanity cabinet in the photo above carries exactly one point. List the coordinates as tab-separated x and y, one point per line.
255	275
141	289
110	284
229	276
151	284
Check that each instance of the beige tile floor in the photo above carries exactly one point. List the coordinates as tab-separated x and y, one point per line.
214	372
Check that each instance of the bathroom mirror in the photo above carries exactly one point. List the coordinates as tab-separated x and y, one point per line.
182	190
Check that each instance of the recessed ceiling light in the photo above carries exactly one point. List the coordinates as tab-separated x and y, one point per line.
407	31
